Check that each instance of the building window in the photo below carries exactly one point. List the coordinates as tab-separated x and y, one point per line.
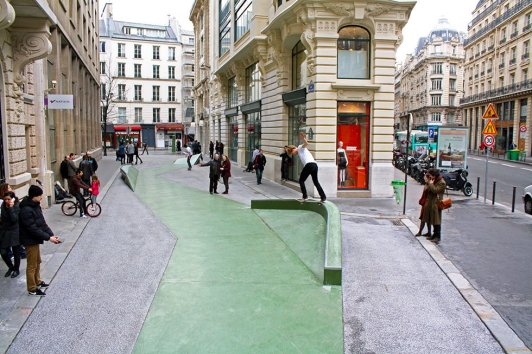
299	66
127	30
171	93
437	68
156	52
121	92
138	115
452	69
156	115
171	53
436	100
102	67
103	91
243	9
102	47
232	93
451	100
122	115
156	71
191	41
253	83
436	117
138	51
138	92
156	91
171	72
121	69
525	74
353	53
171	115
436	84
224	33
121	50
526	50
450	118
452	84
437	49
515	30
138	68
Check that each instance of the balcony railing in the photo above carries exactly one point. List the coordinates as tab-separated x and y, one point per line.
471	57
501	66
471	78
513	35
490	70
525	56
476	76
503	41
484	13
513	61
483	51
477	55
519	87
482	73
527	27
491	47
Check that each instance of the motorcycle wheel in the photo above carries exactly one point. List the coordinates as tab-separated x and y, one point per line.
468	189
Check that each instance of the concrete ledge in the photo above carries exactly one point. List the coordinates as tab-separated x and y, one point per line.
130	175
332	268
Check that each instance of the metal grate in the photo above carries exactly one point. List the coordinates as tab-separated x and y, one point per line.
397	222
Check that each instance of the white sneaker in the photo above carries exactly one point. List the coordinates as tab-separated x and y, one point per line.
83	216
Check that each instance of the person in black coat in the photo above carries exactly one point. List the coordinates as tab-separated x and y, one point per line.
259	166
137	157
286	162
9	234
211	149
214	174
64	171
33	231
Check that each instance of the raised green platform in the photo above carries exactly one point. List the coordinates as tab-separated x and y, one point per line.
130	175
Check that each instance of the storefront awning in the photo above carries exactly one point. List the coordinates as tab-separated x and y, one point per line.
123	128
170	126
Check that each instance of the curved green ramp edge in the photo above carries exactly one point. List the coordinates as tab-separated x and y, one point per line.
183	161
332	267
130	174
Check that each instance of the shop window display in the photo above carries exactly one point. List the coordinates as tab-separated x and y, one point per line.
353	145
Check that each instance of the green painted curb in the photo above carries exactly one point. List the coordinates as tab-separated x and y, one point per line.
332	267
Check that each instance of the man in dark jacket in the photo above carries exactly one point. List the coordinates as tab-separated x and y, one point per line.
93	162
214	174
33	231
64	171
76	184
86	167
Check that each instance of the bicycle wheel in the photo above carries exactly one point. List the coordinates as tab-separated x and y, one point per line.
69	208
93	210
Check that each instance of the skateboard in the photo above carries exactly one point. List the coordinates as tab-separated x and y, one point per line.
311	200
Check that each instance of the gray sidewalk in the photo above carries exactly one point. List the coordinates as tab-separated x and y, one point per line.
396	298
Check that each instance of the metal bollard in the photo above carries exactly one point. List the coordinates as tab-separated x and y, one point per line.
478	186
494	186
513	200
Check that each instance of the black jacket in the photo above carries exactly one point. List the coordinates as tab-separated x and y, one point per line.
261	162
94	164
33	229
64	169
10	235
215	168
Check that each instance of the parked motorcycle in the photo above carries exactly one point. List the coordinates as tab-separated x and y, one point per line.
457	181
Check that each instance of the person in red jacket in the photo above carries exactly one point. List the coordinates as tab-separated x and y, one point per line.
75	189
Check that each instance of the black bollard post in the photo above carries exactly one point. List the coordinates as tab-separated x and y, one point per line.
513	200
478	186
494	186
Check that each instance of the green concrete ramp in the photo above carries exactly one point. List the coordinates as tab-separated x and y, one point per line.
233	285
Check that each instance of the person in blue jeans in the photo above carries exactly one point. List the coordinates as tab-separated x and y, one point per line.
259	165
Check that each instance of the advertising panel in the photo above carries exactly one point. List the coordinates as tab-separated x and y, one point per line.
452	148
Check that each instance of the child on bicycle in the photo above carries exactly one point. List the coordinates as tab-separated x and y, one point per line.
95	185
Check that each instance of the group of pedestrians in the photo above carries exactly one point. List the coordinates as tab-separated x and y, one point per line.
82	177
430	214
130	151
218	168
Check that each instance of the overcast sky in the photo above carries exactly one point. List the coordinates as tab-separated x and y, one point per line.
424	17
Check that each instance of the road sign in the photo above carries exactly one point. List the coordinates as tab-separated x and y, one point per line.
431	133
490	113
522	129
490	128
489	140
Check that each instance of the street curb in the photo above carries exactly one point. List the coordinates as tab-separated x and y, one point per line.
500	330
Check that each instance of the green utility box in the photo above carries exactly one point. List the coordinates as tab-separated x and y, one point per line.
513	155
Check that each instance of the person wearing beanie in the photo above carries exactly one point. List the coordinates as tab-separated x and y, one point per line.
33	231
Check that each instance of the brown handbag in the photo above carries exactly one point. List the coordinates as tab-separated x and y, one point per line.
445	203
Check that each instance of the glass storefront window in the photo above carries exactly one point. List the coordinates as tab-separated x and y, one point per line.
232	93
299	66
233	138
253	83
353	145
353	53
253	133
298	123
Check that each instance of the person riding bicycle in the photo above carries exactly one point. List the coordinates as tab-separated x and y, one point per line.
75	189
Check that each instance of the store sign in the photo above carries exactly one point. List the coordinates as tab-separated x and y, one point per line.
60	102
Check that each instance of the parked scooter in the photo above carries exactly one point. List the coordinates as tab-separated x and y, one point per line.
457	181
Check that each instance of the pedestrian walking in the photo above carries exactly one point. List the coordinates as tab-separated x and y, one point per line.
95	186
422	202
122	150
259	166
310	167
5	188
199	151
145	149
64	171
189	156
217	147
33	231
432	214
130	152
226	172
286	162
214	174
76	184
221	148
9	234
92	161
86	167
137	157
211	149
71	165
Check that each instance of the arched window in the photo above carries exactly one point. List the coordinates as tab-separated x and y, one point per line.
299	66
354	53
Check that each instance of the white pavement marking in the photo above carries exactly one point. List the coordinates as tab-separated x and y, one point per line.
474	158
528	169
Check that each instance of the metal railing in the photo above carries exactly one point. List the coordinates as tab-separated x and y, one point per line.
484	13
519	87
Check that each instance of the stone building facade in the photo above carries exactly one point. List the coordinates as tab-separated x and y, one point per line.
429	85
273	70
47	47
498	72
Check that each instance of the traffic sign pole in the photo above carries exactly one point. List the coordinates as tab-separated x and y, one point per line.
489	139
486	176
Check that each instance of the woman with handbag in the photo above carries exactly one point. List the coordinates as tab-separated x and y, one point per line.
422	202
431	213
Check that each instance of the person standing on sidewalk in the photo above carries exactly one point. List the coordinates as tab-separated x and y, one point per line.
130	152
286	162
64	171
432	214
95	186
145	149
211	150
422	202
214	174
86	167
310	167
259	166
75	189
189	156
33	231
93	162
122	151
71	166
137	157
226	172
10	240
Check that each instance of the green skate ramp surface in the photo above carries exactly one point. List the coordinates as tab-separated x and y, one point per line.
232	284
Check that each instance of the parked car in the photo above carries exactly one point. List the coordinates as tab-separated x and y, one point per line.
527	199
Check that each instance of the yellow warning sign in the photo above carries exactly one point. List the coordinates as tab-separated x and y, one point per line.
490	113
490	128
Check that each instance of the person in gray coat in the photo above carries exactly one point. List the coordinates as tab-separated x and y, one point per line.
130	152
